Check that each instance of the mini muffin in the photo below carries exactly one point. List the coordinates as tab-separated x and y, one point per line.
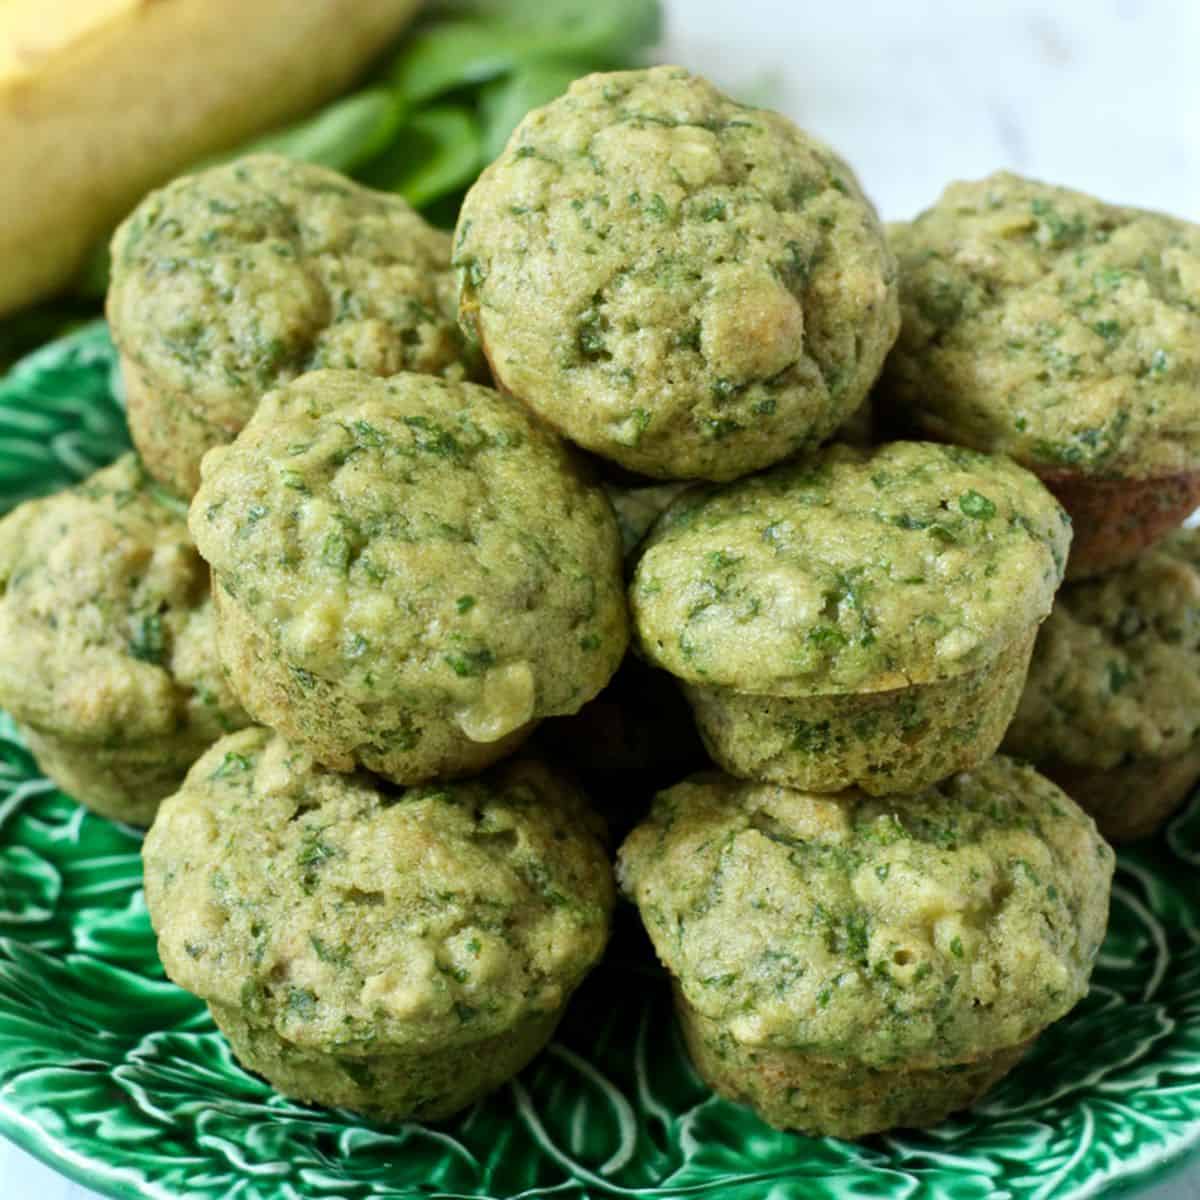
860	617
399	952
230	282
409	573
107	661
682	284
1065	332
847	965
1111	710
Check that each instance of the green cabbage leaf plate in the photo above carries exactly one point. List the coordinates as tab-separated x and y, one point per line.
119	1079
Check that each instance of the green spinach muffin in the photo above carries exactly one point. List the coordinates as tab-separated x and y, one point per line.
232	281
409	572
1045	324
107	661
682	284
847	965
399	952
1111	709
859	617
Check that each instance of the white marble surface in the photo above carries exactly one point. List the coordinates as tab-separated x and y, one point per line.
1102	95
1098	94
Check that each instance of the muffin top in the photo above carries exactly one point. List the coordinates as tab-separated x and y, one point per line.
919	930
231	281
852	570
349	915
1051	326
688	286
106	621
418	541
1115	675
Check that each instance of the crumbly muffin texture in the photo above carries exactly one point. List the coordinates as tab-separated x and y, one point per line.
1115	676
921	930
850	570
232	281
106	640
790	1089
1043	323
880	742
386	1084
349	918
683	284
409	554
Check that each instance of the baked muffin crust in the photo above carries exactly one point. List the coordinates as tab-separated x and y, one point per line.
409	572
232	281
1045	324
372	946
683	284
852	570
107	656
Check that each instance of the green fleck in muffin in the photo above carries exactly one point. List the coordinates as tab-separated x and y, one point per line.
1048	325
397	952
847	965
230	282
107	659
860	617
1111	709
687	286
409	572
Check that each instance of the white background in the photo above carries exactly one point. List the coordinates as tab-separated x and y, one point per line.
1102	95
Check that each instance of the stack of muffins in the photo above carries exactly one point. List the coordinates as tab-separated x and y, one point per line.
1064	332
867	913
408	572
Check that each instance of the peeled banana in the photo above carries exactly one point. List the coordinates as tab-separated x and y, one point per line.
102	99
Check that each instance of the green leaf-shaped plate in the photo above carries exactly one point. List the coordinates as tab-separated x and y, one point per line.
119	1078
